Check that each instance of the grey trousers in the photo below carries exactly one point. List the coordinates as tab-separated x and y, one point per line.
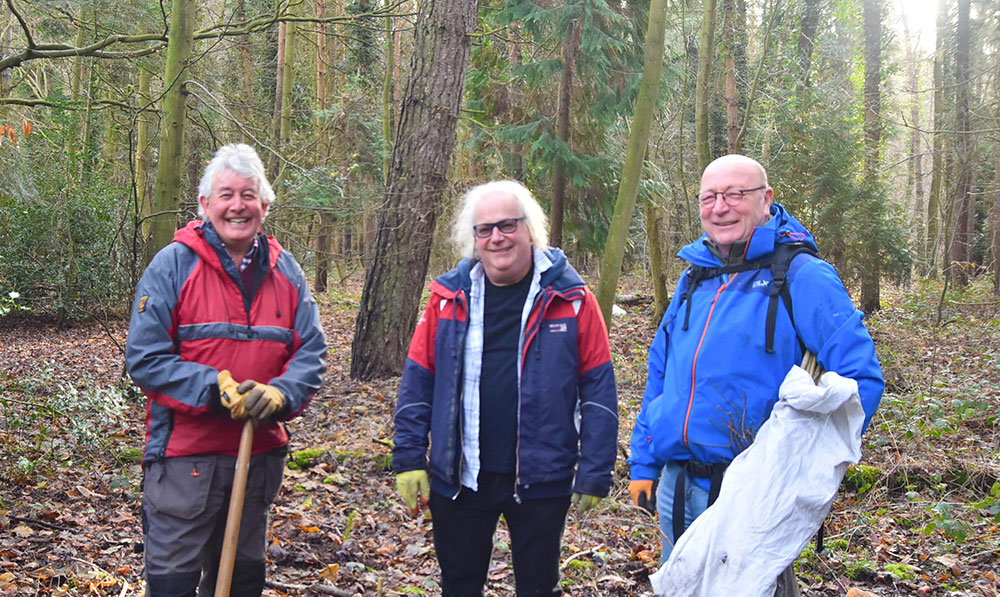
184	506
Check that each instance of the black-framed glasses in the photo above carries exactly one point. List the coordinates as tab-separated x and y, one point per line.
731	197
506	226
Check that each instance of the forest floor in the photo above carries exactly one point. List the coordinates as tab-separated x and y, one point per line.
920	517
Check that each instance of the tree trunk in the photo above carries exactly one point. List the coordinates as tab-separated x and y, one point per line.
324	248
965	204
937	155
273	162
706	50
144	206
914	170
417	179
638	140
808	26
246	103
571	48
872	24
656	273
387	110
734	31
995	216
166	196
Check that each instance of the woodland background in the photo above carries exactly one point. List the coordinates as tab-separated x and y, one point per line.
878	122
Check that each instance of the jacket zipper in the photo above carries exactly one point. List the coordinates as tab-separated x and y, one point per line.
697	352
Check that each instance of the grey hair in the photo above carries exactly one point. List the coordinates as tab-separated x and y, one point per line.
534	216
241	159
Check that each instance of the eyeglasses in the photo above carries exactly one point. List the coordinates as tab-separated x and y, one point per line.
731	197
506	226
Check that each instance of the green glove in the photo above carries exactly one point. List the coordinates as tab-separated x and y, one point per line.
584	502
411	484
262	400
230	396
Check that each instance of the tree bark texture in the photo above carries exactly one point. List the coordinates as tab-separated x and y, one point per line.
143	194
638	141
571	48
279	78
937	142
655	241
995	215
965	204
425	137
706	51
872	25
734	28
166	197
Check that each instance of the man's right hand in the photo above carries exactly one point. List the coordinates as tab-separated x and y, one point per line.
411	484
643	494
231	397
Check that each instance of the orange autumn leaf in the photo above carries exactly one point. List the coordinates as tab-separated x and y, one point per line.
306	529
27	127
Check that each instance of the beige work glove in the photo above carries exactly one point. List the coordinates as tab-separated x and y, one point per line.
584	502
230	395
262	400
412	484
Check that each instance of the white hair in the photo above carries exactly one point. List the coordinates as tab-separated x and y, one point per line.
241	159
534	217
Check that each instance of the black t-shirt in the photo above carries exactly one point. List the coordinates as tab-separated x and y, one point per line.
502	306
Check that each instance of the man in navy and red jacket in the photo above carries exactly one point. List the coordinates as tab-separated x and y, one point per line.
223	328
509	381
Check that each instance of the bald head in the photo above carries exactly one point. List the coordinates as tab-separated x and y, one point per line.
734	199
735	161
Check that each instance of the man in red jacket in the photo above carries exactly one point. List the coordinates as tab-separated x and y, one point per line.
223	328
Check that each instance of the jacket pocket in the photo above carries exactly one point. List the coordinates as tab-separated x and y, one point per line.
179	486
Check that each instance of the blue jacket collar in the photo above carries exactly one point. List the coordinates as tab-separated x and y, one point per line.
781	228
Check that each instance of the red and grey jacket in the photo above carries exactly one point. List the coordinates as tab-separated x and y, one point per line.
565	370
192	318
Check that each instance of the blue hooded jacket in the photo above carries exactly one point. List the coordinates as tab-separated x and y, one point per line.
712	385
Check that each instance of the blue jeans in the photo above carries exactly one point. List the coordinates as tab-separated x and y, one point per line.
695	502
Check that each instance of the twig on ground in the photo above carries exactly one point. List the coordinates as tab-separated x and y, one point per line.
40	523
313	588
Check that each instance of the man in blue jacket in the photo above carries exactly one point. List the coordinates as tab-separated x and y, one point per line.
509	376
718	358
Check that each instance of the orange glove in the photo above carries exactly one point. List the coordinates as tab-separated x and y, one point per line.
643	492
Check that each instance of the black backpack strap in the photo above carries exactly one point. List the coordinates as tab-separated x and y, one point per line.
780	260
714	472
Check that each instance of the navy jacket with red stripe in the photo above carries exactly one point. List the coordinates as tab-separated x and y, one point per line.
566	369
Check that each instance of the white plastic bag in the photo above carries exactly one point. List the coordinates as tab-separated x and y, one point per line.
774	496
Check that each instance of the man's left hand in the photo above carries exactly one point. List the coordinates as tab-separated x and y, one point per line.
584	502
262	400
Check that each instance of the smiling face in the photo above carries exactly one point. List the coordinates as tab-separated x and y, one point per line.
728	224
506	258
235	210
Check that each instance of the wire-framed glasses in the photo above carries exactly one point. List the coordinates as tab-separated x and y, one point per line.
732	196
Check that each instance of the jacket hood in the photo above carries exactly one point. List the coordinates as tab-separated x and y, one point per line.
781	228
560	276
201	237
